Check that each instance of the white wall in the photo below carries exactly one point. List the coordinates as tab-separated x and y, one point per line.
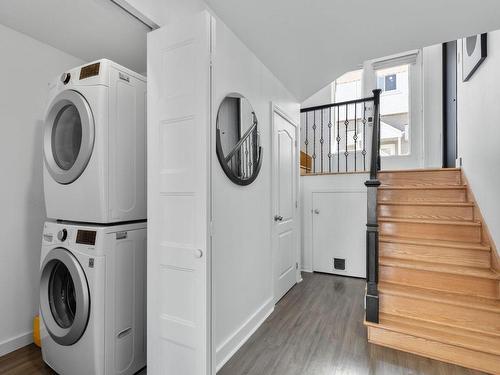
25	70
432	86
478	111
323	96
242	256
323	183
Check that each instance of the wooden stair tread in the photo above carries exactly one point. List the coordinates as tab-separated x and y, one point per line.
418	170
436	332
423	203
422	187
473	302
437	243
440	267
429	221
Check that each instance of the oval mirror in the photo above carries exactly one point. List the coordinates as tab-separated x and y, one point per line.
238	140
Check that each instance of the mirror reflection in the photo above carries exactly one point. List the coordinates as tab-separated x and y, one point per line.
238	140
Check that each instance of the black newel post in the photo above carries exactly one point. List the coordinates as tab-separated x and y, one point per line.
372	233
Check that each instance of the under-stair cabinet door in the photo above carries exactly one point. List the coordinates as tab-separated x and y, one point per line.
339	219
178	197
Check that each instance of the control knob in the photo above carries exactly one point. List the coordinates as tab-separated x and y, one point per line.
65	77
62	235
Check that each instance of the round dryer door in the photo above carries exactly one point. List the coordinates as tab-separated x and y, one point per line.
64	297
69	136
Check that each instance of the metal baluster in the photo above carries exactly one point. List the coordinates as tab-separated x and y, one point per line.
330	140
314	142
321	140
364	137
346	153
252	150
338	139
355	137
247	159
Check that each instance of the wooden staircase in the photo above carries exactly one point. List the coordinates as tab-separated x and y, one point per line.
438	290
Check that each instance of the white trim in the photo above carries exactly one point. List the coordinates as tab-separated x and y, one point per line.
134	12
234	342
15	343
395	60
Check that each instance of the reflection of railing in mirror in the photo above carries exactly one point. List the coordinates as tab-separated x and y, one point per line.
243	158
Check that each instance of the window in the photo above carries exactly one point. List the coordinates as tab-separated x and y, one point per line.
394	110
387	83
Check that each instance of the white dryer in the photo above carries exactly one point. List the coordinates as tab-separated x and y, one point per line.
95	145
93	298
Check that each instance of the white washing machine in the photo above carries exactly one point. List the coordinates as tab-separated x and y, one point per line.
93	298
95	145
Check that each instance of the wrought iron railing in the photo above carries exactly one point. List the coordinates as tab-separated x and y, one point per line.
335	137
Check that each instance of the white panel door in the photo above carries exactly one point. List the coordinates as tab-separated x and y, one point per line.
339	224
178	190
285	168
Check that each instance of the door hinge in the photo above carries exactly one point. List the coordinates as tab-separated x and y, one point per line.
296	204
296	265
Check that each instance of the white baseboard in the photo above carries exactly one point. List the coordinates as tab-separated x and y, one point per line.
307	269
15	343
226	350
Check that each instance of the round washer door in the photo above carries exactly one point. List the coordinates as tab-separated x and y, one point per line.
64	297
69	136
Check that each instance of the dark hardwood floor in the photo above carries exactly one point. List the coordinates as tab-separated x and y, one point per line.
28	361
317	329
25	361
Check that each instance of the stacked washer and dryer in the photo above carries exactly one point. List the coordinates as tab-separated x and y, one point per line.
93	259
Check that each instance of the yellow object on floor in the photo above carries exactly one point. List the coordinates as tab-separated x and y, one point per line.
36	331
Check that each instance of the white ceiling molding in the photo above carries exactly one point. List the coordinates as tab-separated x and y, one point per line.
125	5
408	58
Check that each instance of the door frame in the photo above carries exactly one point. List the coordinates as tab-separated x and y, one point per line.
450	135
277	110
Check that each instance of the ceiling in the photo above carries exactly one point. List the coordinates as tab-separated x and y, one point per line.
88	29
309	43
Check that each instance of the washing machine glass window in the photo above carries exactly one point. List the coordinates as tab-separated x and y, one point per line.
62	297
67	137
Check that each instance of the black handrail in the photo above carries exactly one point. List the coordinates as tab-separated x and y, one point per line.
337	104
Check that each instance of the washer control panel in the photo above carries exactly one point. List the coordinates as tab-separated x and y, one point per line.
54	233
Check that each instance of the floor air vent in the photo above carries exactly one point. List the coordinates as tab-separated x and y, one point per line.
339	263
